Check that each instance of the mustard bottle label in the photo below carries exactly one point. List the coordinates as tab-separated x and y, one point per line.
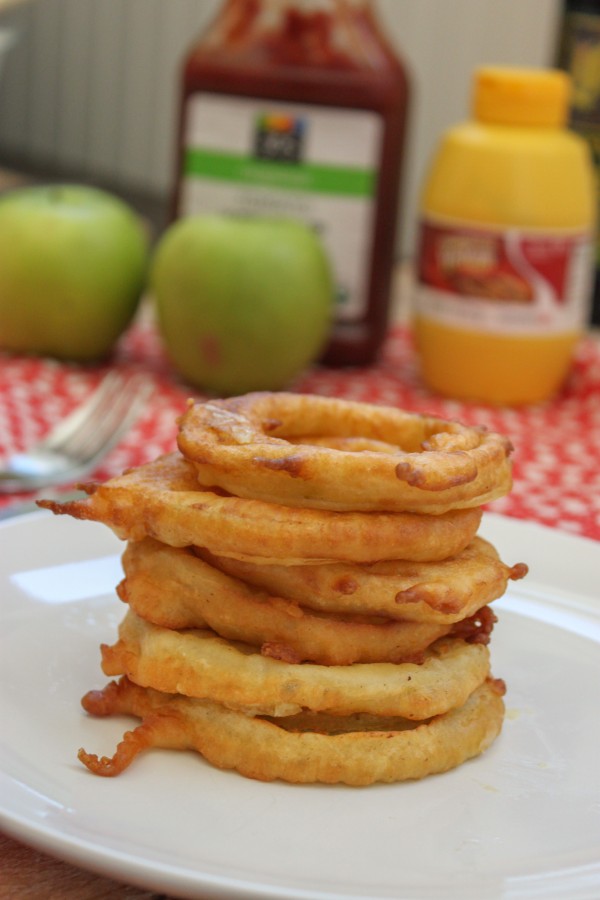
504	281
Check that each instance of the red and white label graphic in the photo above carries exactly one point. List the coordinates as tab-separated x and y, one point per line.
504	280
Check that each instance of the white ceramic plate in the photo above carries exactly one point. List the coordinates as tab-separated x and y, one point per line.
522	821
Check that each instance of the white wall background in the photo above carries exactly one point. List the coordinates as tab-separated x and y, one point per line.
90	87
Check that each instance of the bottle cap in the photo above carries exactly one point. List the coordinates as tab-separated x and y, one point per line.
520	96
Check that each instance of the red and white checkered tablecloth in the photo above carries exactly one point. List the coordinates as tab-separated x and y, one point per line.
557	444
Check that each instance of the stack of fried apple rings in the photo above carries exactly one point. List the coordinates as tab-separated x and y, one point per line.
307	594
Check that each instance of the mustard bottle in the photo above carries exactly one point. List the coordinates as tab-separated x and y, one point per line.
506	244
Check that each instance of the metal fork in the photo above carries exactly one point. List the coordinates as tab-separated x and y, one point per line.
77	444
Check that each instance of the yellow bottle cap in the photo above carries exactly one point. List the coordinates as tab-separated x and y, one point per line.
520	96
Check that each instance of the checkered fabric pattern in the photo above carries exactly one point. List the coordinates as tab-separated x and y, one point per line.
557	444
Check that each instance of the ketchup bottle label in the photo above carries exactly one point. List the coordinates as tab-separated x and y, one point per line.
505	281
246	156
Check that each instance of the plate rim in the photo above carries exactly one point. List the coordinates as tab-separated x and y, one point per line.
84	853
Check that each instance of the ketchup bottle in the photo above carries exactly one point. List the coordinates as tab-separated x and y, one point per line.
298	109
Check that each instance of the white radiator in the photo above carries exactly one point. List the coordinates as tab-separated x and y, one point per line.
90	87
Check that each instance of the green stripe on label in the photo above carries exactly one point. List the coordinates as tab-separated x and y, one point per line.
318	179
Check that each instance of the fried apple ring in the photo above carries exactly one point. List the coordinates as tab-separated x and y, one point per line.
358	751
201	664
442	592
173	588
162	499
326	453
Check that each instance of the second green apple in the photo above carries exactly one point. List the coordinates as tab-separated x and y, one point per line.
243	304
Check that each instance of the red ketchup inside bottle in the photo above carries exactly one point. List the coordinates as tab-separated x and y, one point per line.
298	109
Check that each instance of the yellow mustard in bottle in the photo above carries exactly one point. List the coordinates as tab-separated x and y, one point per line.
506	244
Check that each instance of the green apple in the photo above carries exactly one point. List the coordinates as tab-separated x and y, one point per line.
242	303
73	261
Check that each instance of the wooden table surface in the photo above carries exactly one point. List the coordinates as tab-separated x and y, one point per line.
26	874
